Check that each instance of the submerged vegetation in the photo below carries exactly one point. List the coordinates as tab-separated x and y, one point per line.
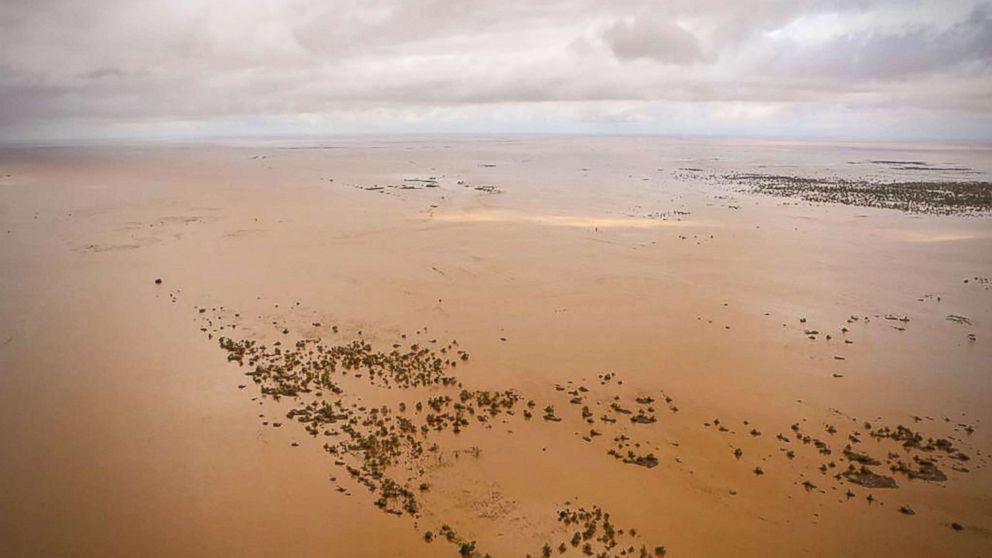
918	196
393	447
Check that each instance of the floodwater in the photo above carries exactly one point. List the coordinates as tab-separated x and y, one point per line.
551	261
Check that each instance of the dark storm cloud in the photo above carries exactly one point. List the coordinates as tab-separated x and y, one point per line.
131	67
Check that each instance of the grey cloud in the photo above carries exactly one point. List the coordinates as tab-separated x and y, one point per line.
913	50
103	73
142	64
653	38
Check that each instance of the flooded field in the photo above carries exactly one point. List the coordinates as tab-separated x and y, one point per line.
497	346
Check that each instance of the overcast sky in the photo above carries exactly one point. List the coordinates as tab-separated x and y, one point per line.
901	69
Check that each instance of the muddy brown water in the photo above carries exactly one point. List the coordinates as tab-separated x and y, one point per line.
125	432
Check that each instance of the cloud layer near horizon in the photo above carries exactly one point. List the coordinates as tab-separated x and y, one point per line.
850	68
